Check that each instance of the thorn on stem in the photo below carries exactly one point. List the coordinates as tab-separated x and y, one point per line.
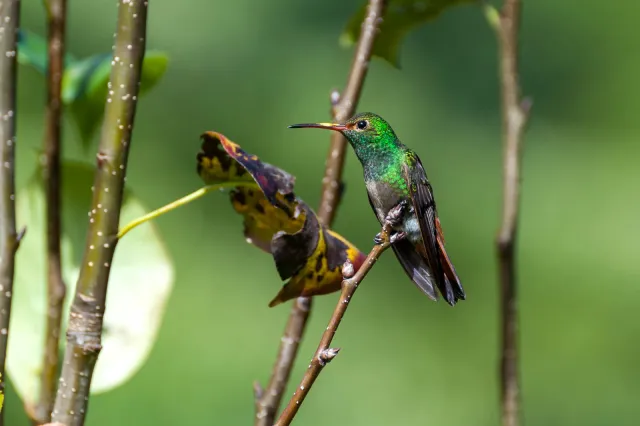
526	104
327	355
21	234
257	390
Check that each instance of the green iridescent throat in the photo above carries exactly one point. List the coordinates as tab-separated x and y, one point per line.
381	153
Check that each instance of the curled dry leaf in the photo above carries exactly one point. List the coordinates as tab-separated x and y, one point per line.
306	253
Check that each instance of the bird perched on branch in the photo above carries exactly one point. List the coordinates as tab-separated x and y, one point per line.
394	176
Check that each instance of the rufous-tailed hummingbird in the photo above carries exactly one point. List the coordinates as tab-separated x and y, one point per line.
394	176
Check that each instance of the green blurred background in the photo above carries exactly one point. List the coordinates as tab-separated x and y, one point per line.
248	69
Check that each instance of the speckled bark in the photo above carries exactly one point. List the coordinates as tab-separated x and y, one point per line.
87	310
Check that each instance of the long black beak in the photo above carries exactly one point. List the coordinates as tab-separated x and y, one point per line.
329	126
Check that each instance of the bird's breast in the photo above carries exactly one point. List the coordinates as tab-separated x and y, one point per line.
383	198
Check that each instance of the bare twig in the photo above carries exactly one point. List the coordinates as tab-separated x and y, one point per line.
9	238
515	114
56	21
324	354
269	400
87	310
343	107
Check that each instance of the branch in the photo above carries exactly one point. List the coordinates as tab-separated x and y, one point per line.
515	114
87	311
343	107
9	238
268	401
324	354
56	21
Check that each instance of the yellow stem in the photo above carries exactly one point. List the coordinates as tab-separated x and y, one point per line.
178	203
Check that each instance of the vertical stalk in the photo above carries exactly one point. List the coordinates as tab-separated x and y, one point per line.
88	307
56	22
9	238
515	113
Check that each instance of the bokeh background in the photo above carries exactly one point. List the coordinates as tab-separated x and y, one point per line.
248	69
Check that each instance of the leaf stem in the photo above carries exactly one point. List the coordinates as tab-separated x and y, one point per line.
515	115
179	203
9	238
324	353
56	289
88	307
343	107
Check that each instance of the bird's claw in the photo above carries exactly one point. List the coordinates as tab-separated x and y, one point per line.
395	214
397	236
393	219
394	238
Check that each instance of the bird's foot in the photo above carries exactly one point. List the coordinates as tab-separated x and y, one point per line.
394	217
397	236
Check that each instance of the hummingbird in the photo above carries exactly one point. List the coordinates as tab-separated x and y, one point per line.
395	179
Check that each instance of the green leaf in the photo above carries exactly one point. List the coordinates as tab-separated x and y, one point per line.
32	50
140	283
84	87
401	17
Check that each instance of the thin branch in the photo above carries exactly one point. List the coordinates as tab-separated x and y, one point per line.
324	354
9	238
268	401
87	311
56	21
343	107
515	114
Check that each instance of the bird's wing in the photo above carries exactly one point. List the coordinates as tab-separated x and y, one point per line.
415	267
421	195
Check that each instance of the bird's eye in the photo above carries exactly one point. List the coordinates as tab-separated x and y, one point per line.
362	124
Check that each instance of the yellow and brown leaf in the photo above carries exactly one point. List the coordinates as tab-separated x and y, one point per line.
306	253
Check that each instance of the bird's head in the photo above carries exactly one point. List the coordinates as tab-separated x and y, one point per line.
363	131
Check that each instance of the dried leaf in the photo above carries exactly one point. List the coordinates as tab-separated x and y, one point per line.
312	259
275	220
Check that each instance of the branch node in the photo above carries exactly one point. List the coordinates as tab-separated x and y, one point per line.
327	355
102	158
348	270
335	97
525	105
